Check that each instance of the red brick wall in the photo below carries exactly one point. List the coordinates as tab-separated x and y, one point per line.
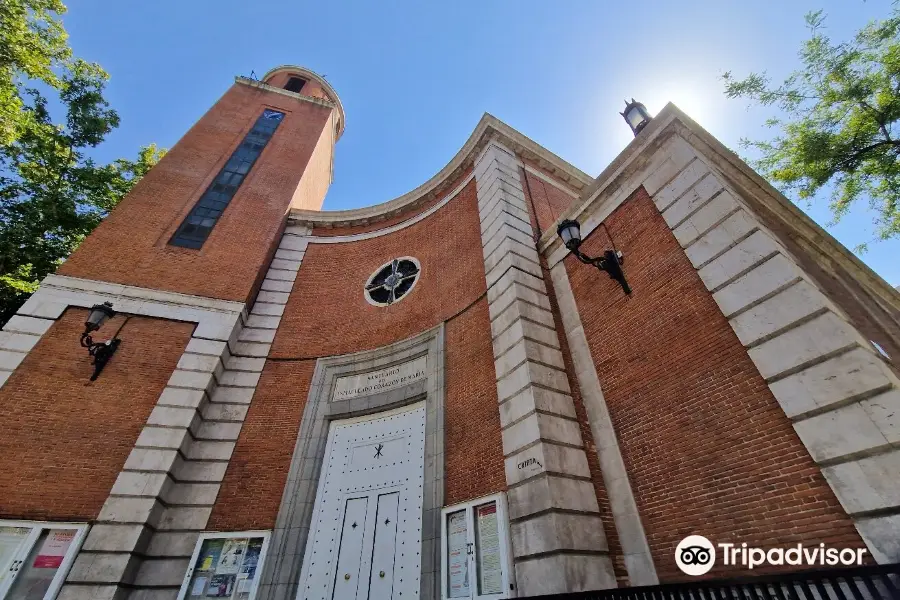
254	482
707	448
131	245
310	88
63	438
473	449
316	180
327	315
549	202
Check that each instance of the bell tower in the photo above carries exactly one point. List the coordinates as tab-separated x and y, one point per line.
206	219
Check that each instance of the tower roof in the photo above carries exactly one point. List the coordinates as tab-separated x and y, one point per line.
304	72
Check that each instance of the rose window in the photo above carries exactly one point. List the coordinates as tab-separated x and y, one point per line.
393	281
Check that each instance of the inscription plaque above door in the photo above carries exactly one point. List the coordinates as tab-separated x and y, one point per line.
382	380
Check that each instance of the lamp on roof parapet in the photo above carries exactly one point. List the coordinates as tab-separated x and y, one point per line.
636	115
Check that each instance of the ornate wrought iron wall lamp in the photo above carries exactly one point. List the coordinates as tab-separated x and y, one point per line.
611	261
100	352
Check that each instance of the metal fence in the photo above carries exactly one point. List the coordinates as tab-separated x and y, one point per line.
859	583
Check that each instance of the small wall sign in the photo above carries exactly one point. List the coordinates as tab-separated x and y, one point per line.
531	462
382	380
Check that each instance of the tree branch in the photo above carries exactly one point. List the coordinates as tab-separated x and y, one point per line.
856	155
878	119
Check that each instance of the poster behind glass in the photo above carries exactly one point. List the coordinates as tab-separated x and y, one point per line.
457	555
487	549
226	568
39	569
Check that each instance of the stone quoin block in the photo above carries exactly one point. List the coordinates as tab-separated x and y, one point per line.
736	261
533	398
686	179
720	238
558	531
577	572
702	192
852	375
819	337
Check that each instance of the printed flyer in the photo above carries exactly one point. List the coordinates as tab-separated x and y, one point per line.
226	568
490	580
220	586
54	549
458	559
231	557
209	555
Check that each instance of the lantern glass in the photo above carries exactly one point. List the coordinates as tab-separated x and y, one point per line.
570	232
635	117
100	313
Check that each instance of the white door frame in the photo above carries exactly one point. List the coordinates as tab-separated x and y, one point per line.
25	549
506	563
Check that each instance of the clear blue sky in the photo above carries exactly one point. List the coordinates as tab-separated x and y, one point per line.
415	77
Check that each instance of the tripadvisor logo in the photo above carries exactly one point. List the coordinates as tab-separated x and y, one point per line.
695	555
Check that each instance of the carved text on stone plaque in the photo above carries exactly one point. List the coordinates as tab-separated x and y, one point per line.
382	380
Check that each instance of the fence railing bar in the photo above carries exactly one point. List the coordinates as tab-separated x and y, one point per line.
823	593
854	588
792	590
889	585
837	585
870	582
870	587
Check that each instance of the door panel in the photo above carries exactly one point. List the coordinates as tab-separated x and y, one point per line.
458	555
40	568
384	549
487	550
346	582
14	542
380	459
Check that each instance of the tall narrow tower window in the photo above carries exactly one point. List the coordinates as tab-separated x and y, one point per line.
295	84
199	223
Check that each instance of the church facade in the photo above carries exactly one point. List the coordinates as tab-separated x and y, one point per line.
435	397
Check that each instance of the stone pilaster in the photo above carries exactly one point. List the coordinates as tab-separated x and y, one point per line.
557	535
842	398
635	549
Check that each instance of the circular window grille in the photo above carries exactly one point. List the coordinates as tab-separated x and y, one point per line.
392	281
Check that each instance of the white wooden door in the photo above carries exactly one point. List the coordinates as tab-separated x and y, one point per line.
372	477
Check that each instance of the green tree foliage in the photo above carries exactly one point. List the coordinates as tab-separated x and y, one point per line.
52	193
33	44
837	129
